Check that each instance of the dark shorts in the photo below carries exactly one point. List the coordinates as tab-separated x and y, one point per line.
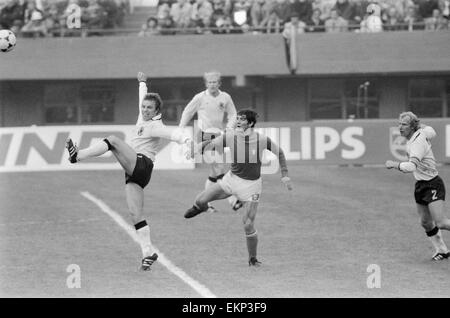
426	192
142	171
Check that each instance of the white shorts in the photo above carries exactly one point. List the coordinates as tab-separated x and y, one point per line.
244	190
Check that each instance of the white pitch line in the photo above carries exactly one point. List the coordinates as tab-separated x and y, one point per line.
199	288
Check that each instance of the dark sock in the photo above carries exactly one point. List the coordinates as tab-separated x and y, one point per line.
252	244
107	142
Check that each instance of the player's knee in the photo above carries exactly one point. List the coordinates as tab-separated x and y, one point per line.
136	214
249	226
427	225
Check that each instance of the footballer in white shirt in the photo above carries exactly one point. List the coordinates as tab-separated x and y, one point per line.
136	158
429	190
212	106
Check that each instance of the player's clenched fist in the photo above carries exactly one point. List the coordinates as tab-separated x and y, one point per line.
141	77
391	164
287	182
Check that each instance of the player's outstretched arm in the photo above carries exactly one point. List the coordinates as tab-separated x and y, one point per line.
142	79
405	166
273	147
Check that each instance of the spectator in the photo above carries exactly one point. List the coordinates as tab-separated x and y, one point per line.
324	6
347	11
392	19
150	28
278	16
241	14
425	8
372	22
34	21
53	20
292	28
336	23
111	13
360	9
202	11
12	16
94	17
303	9
436	21
163	9
282	9
165	22
224	24
221	21
315	24
181	12
401	6
259	13
411	18
445	8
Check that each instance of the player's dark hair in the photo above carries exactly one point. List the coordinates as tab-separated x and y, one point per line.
156	98
414	121
251	116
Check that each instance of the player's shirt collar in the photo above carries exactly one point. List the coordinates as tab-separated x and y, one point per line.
414	136
157	117
247	132
209	94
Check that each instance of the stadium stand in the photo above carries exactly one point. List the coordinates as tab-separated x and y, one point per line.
118	17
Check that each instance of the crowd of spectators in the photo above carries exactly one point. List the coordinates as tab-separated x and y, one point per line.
42	18
97	17
270	16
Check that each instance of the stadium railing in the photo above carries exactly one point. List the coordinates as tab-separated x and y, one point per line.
64	32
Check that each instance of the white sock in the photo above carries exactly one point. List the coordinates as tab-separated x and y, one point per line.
95	150
438	243
144	240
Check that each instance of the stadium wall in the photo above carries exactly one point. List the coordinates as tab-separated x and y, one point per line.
187	56
253	66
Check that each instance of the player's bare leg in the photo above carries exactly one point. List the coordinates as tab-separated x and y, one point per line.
437	212
124	154
212	193
212	178
135	201
432	232
251	235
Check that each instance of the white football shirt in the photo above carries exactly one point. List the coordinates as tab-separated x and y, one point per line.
419	152
146	136
210	110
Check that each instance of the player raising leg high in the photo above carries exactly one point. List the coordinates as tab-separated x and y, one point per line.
136	159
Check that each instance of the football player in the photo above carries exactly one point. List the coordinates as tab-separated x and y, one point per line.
244	178
429	190
136	158
211	105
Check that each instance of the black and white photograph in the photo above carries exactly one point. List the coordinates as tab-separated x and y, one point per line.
225	154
